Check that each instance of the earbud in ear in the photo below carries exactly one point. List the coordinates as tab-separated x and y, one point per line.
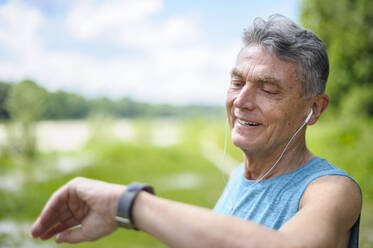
309	116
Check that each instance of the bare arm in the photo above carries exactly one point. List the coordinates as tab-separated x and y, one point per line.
181	225
330	207
328	210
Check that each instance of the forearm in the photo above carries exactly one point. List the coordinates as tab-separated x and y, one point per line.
181	225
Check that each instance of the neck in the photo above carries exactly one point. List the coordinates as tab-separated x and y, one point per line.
257	165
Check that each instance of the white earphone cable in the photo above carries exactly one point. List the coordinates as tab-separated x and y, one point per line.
225	151
278	159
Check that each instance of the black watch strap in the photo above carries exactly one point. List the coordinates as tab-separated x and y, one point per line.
126	201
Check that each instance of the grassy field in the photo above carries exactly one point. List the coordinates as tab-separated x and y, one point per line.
178	170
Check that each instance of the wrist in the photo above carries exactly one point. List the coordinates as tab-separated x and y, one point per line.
142	209
126	202
114	199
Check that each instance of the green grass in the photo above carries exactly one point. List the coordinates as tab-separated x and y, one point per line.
120	162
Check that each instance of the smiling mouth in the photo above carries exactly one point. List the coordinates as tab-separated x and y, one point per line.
248	123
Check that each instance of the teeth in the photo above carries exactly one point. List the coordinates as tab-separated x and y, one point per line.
249	123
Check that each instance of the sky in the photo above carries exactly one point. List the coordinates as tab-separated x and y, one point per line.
161	51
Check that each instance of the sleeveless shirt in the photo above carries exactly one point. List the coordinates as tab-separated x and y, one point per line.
273	201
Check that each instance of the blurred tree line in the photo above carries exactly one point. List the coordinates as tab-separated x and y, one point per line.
345	26
26	100
24	103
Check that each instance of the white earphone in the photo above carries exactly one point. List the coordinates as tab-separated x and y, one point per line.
308	117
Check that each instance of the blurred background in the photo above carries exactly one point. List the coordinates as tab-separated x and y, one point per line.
131	90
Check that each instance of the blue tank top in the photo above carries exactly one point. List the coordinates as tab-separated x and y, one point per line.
272	202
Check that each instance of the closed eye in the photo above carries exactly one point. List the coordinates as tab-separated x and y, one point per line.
270	92
236	83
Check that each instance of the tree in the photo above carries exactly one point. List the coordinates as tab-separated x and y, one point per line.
4	91
64	105
26	105
346	28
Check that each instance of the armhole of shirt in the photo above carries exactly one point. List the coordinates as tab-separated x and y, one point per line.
354	231
337	172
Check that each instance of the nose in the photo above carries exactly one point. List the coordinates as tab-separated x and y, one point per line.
246	97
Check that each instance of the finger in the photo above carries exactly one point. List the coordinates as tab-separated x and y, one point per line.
49	216
45	222
72	236
35	228
46	235
59	227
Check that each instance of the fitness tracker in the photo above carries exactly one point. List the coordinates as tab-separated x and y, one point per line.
126	201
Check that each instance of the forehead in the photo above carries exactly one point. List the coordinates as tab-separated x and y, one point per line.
256	61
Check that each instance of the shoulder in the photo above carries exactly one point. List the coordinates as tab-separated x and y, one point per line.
328	179
338	185
328	213
323	176
337	195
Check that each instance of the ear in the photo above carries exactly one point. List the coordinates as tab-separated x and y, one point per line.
318	104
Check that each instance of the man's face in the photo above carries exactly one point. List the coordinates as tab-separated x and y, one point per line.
264	104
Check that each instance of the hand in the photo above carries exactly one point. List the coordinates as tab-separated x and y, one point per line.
86	202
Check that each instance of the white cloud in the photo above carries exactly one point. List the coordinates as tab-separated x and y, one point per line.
19	27
175	31
176	65
89	19
19	40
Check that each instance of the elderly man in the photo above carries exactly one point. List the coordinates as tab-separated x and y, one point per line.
280	196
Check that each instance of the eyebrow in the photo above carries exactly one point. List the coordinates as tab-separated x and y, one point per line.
237	73
260	79
267	79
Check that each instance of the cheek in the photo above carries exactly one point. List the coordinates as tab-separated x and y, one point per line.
276	121
284	123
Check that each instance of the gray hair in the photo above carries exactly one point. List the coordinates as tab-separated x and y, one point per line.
291	42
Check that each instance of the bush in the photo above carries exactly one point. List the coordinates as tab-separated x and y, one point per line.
359	102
